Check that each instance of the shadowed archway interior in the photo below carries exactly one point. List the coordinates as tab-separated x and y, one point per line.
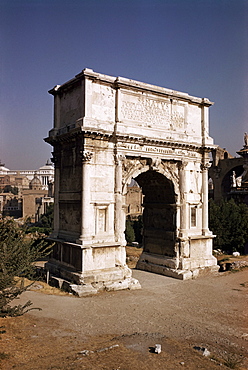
159	215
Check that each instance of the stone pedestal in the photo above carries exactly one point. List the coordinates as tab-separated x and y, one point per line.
199	261
90	269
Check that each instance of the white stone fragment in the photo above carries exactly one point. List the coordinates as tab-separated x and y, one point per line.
158	348
206	352
236	254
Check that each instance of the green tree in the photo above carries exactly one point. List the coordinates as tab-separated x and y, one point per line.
229	222
46	219
45	224
18	252
129	232
138	229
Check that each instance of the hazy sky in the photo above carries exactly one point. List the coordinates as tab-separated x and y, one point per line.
195	46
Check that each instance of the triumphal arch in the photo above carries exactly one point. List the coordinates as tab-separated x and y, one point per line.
108	131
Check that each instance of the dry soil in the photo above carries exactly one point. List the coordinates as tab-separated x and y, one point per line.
119	330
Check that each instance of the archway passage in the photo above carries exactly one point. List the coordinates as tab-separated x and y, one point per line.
159	215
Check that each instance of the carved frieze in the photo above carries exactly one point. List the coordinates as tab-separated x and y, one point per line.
156	149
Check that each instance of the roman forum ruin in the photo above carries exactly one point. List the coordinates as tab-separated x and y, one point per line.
108	131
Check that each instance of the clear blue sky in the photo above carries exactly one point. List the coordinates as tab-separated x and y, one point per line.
199	47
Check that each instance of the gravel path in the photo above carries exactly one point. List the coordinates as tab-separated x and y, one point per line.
210	311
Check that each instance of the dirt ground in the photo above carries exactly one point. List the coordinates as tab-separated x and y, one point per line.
119	330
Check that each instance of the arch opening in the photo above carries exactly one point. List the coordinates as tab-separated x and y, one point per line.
159	213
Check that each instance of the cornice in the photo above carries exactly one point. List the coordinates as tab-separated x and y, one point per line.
121	82
130	139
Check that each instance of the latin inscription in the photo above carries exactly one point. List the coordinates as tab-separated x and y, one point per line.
153	112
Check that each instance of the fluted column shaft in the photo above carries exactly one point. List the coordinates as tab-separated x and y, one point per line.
204	168
183	189
119	222
85	218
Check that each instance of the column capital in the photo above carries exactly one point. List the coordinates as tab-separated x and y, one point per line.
182	164
86	156
119	158
205	166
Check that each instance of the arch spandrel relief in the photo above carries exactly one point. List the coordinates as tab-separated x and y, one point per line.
132	167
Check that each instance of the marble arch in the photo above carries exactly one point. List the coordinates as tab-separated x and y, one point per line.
108	130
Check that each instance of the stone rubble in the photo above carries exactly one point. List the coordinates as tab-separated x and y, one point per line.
86	352
158	348
205	352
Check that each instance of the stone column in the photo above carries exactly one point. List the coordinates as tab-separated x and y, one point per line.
86	220
183	209
204	167
119	232
56	160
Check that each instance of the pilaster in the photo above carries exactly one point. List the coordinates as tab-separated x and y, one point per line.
204	168
119	223
183	189
56	160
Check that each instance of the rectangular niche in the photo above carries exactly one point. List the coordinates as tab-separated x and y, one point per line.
101	218
193	216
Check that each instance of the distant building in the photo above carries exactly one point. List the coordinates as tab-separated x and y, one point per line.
134	200
228	176
10	205
45	174
26	193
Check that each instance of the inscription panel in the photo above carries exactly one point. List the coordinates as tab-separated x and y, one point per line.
149	110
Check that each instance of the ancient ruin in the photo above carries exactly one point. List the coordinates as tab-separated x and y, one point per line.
229	175
108	131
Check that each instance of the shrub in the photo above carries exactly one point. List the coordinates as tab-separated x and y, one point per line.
129	232
18	252
229	222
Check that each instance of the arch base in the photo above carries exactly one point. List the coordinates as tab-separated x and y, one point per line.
172	267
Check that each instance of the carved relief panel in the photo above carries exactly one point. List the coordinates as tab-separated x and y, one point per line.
70	217
70	169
